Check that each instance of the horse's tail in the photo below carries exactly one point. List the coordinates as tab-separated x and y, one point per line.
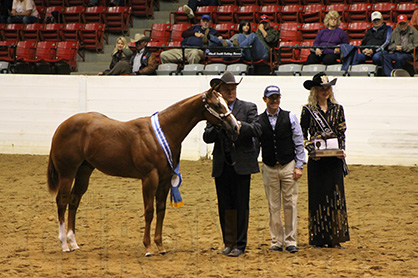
52	175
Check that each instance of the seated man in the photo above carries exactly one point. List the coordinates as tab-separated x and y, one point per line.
192	5
378	35
196	36
261	41
403	41
143	61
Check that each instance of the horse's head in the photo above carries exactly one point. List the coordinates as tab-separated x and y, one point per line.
219	113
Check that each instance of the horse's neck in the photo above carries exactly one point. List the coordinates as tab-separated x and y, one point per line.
179	119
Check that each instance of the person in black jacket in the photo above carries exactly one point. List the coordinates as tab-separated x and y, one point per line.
143	61
379	36
233	164
283	156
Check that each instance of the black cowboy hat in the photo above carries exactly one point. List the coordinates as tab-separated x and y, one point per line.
227	78
319	79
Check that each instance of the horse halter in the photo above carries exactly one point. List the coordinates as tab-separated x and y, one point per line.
220	116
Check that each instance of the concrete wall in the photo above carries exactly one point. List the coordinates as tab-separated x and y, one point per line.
381	113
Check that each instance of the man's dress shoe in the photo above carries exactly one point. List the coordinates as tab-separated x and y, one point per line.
235	252
225	251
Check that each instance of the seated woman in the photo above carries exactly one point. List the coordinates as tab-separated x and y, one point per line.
23	11
121	56
332	35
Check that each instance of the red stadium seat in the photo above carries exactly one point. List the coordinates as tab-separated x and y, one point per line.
179	16
247	2
52	32
177	30
94	14
359	12
159	32
41	11
269	2
54	10
13	32
227	29
290	31
406	9
66	56
357	30
310	30
302	55
71	3
25	52
71	31
92	36
248	12
225	14
117	19
285	55
33	31
143	8
51	3
152	44
313	13
291	13
73	14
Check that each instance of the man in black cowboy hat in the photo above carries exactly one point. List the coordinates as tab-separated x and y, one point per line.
233	164
143	61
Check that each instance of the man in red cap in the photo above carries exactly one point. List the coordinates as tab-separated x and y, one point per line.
403	41
261	41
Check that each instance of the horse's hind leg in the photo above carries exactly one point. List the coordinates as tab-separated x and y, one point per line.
161	197
62	199
80	187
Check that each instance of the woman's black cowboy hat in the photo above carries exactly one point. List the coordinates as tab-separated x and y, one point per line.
319	79
227	78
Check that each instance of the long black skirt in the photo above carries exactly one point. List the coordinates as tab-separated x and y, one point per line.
328	223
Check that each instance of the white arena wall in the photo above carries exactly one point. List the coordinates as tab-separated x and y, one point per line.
381	113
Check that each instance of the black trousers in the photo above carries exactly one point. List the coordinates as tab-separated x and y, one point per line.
233	193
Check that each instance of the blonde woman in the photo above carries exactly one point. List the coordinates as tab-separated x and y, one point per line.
332	35
23	11
328	224
121	55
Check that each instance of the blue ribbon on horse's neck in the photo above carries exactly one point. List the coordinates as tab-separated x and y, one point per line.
175	196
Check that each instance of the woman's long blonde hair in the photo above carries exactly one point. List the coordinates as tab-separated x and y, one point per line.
125	44
332	14
313	96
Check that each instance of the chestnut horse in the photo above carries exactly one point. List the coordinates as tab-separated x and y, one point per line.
87	141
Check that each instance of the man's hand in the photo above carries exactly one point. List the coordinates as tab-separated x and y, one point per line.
399	48
297	173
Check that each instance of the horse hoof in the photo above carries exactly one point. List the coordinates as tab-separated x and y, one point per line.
149	254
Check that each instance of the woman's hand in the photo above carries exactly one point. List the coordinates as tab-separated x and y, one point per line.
318	52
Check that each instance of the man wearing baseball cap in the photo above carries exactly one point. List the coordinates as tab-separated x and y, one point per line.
261	41
196	36
403	41
379	35
283	158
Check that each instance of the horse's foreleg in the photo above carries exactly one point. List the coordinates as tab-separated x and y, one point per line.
80	187
149	189
62	200
161	206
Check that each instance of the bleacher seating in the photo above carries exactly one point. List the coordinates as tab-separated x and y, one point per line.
313	13
159	32
248	12
192	69
225	14
33	31
289	69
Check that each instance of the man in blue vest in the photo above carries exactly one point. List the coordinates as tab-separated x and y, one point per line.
283	158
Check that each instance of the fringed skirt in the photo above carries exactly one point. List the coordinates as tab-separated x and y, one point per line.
328	223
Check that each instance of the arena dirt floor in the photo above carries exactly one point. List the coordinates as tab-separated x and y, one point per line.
382	207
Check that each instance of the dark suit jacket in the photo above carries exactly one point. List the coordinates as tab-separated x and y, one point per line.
245	149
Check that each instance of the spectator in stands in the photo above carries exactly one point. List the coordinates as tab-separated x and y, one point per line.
143	61
120	59
196	36
244	28
23	11
402	44
332	35
379	35
414	20
192	5
261	41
